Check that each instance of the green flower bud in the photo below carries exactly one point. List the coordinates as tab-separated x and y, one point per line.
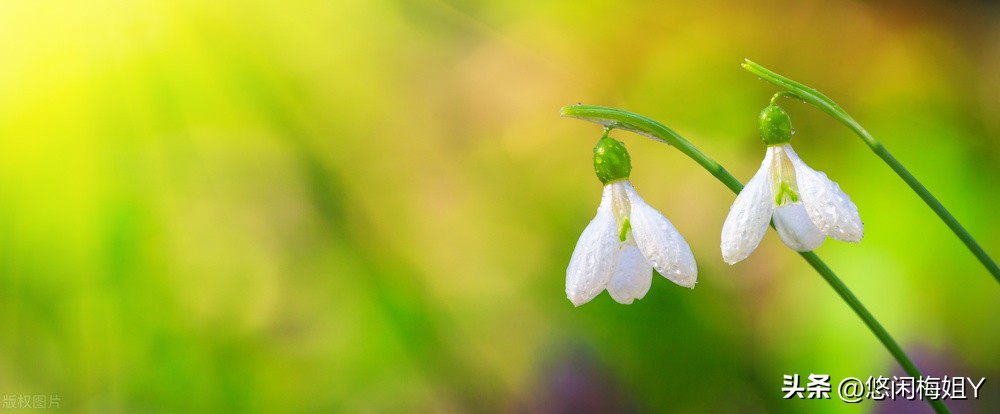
775	126
611	161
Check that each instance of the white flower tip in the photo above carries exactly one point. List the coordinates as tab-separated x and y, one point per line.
732	256
578	300
624	300
856	235
847	226
686	276
687	282
852	239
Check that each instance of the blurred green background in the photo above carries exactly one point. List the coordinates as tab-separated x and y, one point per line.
369	206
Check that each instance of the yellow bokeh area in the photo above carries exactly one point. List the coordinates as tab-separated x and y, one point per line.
369	206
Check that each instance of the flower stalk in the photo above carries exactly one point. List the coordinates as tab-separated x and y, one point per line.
797	90
616	118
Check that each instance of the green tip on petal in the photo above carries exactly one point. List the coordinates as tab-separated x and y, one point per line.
775	126
611	161
623	231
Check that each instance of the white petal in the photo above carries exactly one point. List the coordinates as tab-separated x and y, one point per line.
749	216
828	206
796	229
660	243
632	277
593	261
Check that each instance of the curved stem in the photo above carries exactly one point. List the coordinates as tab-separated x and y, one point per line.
827	105
616	118
783	94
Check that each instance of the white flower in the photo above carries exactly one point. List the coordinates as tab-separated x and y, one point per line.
622	245
805	205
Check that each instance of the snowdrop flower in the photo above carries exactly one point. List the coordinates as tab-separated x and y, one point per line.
626	240
804	204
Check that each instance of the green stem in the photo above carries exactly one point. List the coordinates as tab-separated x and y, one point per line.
783	94
827	105
616	118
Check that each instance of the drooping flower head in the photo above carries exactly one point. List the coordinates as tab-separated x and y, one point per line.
805	205
626	240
